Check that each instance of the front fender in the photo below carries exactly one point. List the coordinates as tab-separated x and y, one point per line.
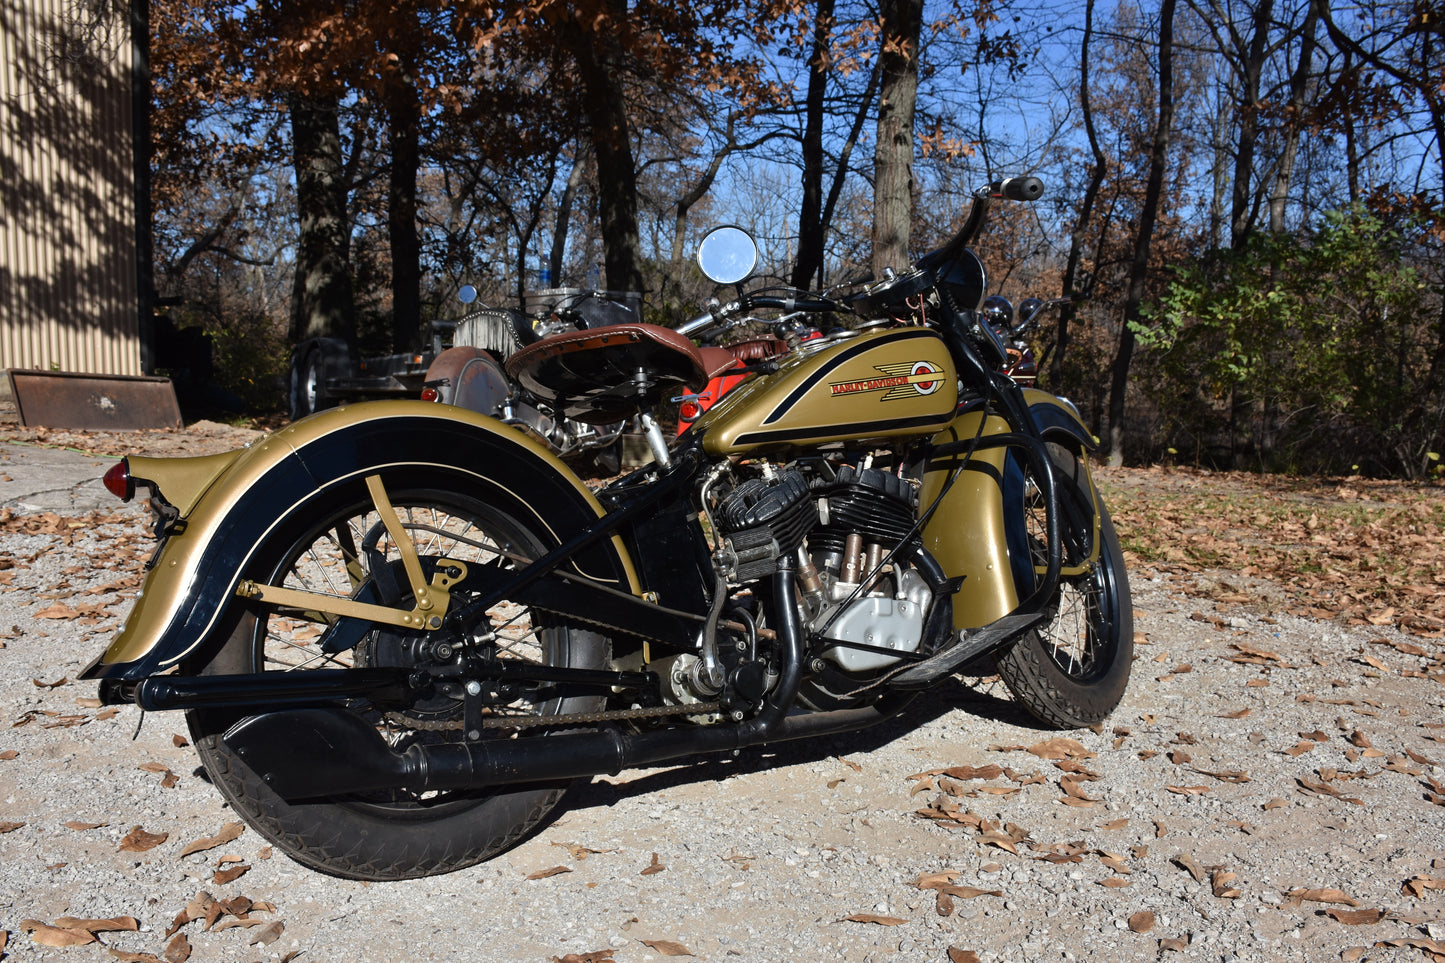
227	518
1057	418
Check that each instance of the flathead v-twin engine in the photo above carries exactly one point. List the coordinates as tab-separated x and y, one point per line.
844	527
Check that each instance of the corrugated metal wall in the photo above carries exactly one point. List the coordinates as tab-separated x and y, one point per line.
67	204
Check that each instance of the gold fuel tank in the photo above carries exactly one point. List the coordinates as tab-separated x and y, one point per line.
879	384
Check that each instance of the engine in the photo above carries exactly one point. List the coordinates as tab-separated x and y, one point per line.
841	530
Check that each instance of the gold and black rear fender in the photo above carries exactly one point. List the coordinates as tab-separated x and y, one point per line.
189	598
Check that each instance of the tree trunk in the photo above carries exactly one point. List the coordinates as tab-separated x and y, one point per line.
1242	206
611	134
893	153
1097	171
809	264
1298	104
1148	215
564	216
322	304
403	133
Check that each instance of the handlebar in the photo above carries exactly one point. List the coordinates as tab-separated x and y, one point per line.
721	313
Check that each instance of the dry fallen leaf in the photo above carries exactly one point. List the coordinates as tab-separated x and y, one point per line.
138	840
1416	886
653	867
269	935
110	924
1141	922
178	950
198	908
1295	896
874	918
228	832
596	956
956	955
546	873
1061	747
224	876
1188	862
58	936
1222	884
668	947
1356	917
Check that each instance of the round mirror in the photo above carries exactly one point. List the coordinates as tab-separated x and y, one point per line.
467	294
727	255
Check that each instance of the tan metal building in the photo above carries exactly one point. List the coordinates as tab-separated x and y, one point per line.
69	242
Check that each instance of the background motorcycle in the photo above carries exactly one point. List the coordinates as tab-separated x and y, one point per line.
469	374
400	628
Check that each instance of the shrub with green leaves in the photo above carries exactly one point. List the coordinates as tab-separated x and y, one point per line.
1302	352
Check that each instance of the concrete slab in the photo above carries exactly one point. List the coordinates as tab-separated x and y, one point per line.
33	478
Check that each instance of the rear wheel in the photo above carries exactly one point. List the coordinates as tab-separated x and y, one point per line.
1073	669
398	834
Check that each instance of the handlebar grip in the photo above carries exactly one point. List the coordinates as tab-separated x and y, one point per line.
1018	188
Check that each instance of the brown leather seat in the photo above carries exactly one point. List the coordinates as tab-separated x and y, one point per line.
758	349
603	375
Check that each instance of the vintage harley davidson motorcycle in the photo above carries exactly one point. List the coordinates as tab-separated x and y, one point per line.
399	629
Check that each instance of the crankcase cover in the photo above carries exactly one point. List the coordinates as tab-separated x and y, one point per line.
879	384
884	622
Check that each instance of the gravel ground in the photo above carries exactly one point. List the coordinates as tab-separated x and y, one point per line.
1272	788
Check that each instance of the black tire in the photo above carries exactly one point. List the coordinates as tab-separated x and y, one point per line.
390	836
1072	670
306	386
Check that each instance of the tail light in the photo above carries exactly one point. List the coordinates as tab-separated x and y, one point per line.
118	481
430	394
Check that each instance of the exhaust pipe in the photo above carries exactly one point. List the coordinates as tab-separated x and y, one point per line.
306	753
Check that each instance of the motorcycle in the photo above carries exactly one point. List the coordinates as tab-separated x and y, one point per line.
469	374
400	629
998	314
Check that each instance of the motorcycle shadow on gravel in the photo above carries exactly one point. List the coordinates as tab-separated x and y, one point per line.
964	697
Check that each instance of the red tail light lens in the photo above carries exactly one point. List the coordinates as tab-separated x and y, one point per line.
689	411
119	483
430	394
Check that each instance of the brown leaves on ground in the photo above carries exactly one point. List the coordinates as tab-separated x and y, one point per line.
1361	551
667	947
70	931
595	956
214	913
875	918
548	873
139	841
228	833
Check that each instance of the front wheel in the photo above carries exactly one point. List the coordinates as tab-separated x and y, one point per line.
1072	670
347	551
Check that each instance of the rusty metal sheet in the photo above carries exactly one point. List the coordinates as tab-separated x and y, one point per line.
64	399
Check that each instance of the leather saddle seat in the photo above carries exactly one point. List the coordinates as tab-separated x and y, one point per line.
603	375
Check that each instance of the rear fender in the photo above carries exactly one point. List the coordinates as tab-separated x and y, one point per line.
190	594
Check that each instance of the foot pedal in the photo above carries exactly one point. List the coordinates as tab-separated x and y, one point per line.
990	636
